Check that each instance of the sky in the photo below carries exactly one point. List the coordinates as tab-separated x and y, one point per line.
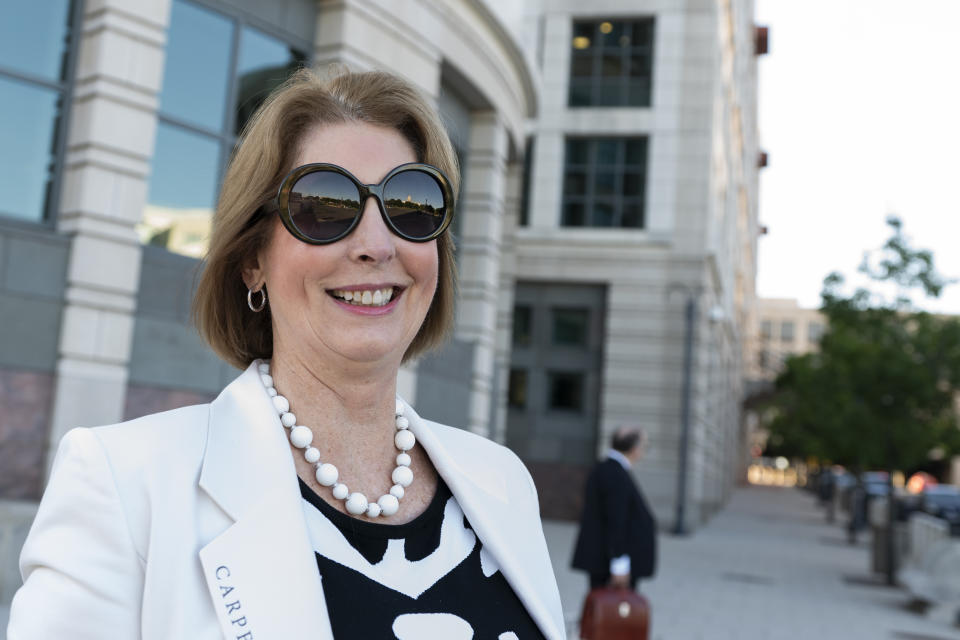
859	111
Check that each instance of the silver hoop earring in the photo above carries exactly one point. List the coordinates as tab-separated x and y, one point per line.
263	300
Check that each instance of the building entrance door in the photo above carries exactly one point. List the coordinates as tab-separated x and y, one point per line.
553	398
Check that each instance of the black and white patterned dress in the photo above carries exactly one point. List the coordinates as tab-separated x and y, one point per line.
427	579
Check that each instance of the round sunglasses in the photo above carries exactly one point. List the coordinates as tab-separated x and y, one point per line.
321	203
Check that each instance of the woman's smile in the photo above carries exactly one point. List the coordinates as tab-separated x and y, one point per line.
368	299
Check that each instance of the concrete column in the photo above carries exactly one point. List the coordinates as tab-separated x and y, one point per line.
505	297
480	243
356	33
112	129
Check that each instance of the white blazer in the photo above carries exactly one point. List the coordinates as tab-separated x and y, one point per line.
189	524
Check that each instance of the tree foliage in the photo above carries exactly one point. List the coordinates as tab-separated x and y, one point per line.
881	391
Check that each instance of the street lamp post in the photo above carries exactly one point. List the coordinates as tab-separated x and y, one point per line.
690	315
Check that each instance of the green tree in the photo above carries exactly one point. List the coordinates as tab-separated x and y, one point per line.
881	392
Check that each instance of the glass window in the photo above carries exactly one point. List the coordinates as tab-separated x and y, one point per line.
570	326
197	66
34	37
766	330
604	182
522	325
182	191
814	331
565	390
517	389
36	43
28	120
523	219
218	72
787	331
264	63
611	63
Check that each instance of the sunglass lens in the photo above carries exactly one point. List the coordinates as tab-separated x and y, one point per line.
415	203
323	204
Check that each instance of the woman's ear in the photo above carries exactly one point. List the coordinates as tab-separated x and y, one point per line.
253	275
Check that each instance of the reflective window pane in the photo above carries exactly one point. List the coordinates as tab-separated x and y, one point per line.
565	390
182	192
573	214
638	92
636	151
607	150
197	66
606	187
581	64
610	63
603	214
570	326
575	183
583	30
577	151
640	65
28	121
34	37
604	183
579	93
632	214
632	183
610	32
522	326
610	93
264	63
517	389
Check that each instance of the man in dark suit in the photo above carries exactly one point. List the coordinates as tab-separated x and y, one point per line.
617	544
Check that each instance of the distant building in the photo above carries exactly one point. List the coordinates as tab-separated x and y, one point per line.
783	329
610	162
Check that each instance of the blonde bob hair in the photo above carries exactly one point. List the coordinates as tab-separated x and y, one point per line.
266	152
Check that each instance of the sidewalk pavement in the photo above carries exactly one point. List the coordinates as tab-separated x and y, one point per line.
767	566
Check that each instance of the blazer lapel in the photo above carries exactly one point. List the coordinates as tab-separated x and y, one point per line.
261	572
509	531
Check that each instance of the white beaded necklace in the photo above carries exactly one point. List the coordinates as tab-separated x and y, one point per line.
328	475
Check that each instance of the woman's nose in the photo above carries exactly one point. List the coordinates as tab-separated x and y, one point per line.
372	240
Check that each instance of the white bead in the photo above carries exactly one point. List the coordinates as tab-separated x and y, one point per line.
301	436
403	460
373	510
404	440
389	505
402	423
327	474
311	455
267	380
281	404
340	491
271	392
402	476
397	491
263	367
288	419
357	503
399	411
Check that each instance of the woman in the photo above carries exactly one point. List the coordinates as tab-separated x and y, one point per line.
307	500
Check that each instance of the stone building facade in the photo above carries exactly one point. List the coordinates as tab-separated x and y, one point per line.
609	157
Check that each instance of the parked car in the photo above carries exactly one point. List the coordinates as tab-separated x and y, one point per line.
943	501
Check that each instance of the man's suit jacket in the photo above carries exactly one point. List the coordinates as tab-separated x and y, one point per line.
189	524
616	521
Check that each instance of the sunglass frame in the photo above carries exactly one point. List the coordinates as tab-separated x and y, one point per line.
365	191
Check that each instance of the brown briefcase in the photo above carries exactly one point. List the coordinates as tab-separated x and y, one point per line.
615	613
